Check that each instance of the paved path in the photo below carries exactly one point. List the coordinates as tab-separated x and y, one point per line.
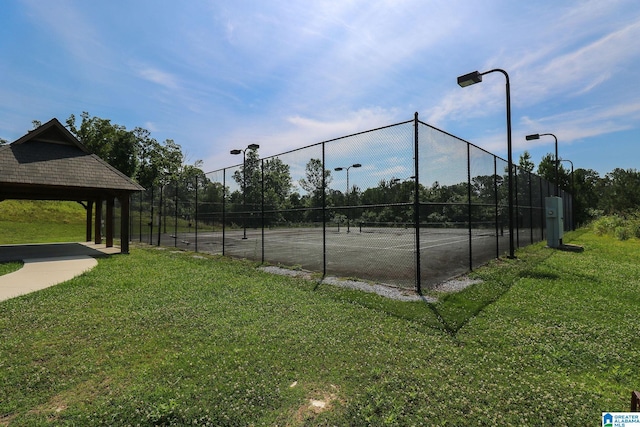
47	265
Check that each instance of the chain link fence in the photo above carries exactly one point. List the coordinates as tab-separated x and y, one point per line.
407	205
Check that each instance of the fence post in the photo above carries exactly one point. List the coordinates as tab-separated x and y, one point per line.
151	220
196	213
416	203
262	203
516	206
530	207
543	222
469	216
224	205
497	212
160	214
175	215
140	215
324	217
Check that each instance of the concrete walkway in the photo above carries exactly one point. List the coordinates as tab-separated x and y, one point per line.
47	265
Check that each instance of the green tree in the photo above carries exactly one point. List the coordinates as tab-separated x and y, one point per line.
546	169
525	163
248	177
277	188
122	154
620	191
149	158
316	178
112	143
483	189
585	195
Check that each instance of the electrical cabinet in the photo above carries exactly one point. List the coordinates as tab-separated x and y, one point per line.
555	221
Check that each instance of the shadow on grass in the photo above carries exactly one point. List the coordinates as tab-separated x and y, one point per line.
455	310
538	275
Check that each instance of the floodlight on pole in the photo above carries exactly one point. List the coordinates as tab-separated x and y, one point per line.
244	181
476	77
338	169
470	79
557	161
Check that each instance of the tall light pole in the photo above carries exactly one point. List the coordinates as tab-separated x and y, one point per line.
355	165
537	136
244	181
573	195
476	77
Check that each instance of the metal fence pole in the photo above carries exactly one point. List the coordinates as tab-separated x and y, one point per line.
517	207
324	216
151	221
140	219
175	217
262	203
497	211
196	214
542	210
224	206
530	206
469	215
416	204
160	215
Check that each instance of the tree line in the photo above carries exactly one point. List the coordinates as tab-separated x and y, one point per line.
617	192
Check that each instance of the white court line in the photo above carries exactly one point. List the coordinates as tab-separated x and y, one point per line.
409	246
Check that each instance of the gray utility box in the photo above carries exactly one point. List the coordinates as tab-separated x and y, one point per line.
555	221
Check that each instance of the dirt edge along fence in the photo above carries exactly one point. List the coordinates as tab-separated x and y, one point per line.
407	205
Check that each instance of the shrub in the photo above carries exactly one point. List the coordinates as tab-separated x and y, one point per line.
622	233
621	227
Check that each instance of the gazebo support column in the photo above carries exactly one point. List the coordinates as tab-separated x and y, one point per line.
89	218
124	223
109	222
98	222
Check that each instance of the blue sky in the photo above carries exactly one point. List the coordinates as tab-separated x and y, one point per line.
217	75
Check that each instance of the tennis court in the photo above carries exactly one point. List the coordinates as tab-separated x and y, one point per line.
383	255
295	208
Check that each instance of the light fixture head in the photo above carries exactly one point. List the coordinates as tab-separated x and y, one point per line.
533	136
338	169
356	165
236	151
253	146
470	79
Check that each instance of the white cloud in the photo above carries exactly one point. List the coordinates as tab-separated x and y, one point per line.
159	77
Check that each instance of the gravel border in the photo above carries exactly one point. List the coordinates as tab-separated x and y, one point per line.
453	285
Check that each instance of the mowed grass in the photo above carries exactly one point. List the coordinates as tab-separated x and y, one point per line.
26	221
160	337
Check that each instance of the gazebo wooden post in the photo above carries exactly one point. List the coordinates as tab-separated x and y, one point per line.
89	218
124	223
98	222
109	222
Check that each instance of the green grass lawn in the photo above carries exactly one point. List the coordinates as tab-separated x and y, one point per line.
160	337
26	221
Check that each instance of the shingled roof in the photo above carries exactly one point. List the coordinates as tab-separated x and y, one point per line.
49	163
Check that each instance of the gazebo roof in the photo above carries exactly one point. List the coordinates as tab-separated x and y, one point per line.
49	163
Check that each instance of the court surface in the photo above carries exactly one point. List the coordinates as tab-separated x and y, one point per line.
385	255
